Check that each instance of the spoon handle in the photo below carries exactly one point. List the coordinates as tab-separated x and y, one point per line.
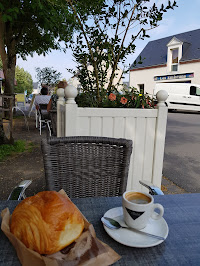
144	233
113	224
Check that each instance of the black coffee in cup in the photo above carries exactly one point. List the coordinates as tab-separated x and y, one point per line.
138	198
138	208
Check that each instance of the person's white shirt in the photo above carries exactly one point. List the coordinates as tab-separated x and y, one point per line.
42	99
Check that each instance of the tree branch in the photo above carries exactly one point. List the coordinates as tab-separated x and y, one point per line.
115	64
88	44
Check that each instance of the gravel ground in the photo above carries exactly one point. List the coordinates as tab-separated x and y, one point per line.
26	165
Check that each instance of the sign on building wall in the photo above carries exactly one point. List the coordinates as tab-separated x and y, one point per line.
176	76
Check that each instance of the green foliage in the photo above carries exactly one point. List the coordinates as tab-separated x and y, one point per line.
19	146
48	76
30	147
28	27
103	41
127	99
37	26
24	81
7	149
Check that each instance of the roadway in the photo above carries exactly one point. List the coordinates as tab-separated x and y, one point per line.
182	150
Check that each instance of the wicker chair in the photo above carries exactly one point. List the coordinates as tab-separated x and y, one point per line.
87	166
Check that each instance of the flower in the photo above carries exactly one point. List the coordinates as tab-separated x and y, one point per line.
123	100
140	94
112	97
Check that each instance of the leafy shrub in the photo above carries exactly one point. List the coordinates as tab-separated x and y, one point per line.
126	99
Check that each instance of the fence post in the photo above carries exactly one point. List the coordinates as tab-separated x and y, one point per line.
60	103
70	110
160	137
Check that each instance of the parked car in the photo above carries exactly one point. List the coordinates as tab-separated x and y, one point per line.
29	98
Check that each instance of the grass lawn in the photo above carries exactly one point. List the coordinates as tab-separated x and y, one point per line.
18	147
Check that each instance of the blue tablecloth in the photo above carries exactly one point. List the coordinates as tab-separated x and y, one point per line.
182	246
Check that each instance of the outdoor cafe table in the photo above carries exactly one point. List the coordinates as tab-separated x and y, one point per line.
182	246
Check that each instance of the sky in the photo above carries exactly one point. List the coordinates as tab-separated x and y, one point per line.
183	18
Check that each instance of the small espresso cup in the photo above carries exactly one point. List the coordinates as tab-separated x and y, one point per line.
138	208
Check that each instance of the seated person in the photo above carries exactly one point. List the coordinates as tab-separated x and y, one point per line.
43	98
52	105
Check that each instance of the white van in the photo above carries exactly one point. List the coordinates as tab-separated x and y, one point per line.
181	96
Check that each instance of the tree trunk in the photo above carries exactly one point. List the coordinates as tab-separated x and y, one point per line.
9	74
9	63
3	139
8	56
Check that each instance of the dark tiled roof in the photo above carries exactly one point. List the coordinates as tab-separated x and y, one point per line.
155	52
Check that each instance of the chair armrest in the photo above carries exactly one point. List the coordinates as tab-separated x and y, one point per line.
18	192
153	190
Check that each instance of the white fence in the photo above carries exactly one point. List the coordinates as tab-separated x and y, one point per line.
145	127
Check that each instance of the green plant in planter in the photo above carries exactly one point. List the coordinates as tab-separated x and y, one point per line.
126	99
105	40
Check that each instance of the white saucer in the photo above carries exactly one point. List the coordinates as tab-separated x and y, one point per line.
133	239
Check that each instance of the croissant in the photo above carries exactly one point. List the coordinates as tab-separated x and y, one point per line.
47	222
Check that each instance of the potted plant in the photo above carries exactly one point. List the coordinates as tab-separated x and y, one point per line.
104	107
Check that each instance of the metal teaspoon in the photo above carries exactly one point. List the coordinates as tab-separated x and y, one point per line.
113	224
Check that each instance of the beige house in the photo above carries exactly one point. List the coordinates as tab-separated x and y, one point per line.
172	59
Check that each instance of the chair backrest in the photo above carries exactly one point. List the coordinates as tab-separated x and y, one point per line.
43	111
87	166
53	117
43	106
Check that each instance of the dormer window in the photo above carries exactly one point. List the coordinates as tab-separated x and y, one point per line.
174	65
174	54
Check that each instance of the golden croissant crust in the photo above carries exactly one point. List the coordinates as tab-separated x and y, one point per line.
47	222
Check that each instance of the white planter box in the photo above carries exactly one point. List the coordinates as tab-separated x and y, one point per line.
145	127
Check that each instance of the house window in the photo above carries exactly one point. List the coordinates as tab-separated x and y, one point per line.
141	88
198	92
194	91
174	66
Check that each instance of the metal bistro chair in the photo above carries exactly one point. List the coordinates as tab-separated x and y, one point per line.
53	116
44	117
87	166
